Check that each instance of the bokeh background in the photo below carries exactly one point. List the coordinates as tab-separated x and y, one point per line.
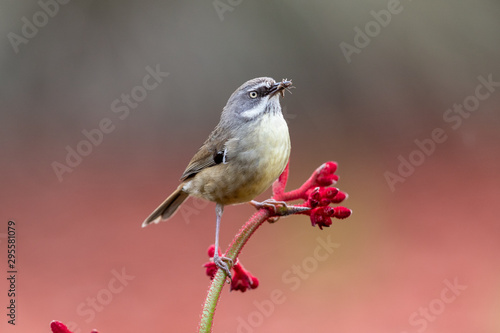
394	254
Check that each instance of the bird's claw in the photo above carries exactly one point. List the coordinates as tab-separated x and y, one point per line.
271	204
222	263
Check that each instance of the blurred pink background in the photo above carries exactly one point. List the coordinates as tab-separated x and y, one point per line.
418	256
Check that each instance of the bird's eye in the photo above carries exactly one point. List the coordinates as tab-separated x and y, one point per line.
253	94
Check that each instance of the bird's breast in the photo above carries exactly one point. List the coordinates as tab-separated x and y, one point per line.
255	159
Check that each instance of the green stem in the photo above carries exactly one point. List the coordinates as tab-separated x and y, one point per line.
214	292
207	315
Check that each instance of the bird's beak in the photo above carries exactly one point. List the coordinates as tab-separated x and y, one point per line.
279	87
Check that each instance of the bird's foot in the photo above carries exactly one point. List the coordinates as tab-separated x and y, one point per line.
275	205
222	263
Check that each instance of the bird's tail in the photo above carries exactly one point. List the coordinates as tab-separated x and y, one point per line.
168	207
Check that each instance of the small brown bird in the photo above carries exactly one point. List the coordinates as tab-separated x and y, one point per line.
242	157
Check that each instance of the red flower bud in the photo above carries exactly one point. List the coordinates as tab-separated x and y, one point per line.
211	269
314	197
58	327
321	196
339	197
211	251
326	175
328	211
242	279
255	282
329	192
324	202
341	212
319	216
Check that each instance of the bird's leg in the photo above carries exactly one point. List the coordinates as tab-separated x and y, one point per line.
218	260
269	203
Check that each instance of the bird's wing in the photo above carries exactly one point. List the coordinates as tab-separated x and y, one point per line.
213	152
